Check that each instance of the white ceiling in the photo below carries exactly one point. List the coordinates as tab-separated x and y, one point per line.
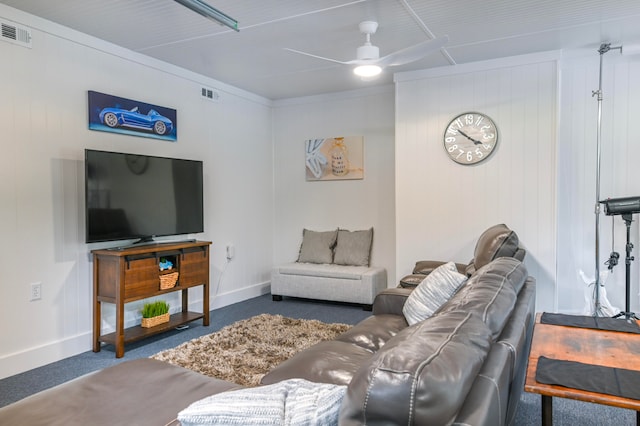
254	59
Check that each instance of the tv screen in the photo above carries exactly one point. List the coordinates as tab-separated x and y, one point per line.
139	196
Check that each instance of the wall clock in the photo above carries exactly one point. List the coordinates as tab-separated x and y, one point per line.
470	138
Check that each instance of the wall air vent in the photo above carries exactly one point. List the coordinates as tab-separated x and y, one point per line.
14	33
210	94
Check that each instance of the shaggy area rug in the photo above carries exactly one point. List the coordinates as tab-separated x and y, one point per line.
244	351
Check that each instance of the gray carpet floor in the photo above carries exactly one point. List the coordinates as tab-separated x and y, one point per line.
565	412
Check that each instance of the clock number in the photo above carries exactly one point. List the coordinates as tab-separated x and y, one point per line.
479	153
468	118
452	130
459	123
450	139
486	146
452	148
469	156
479	120
460	152
488	136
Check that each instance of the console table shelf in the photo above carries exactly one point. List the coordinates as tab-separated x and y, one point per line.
133	334
125	275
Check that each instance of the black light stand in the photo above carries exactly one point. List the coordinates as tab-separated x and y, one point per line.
626	207
604	48
627	263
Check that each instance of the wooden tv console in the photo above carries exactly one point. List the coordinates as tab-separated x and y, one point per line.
124	275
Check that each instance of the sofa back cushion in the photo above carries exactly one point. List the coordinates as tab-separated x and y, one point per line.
497	241
374	332
491	293
422	375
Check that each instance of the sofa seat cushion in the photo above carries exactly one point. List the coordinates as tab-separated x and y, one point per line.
325	362
324	270
137	392
422	375
373	332
391	301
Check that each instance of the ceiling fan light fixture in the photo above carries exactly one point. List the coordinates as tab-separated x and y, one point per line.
367	51
369	70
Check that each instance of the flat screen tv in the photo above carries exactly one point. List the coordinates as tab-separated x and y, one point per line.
130	196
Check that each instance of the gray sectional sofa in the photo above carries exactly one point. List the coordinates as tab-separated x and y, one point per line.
463	365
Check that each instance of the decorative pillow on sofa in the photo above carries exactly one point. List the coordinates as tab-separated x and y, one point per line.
290	402
353	247
317	247
436	289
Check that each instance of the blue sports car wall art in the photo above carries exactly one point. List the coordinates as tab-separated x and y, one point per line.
133	118
108	113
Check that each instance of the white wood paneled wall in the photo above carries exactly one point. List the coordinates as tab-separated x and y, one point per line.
442	207
43	119
348	204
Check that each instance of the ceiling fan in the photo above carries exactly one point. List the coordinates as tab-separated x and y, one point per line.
368	60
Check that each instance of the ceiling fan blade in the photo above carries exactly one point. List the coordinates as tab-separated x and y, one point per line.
320	57
412	53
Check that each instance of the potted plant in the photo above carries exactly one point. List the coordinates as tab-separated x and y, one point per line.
155	313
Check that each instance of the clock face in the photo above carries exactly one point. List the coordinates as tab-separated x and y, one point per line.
470	138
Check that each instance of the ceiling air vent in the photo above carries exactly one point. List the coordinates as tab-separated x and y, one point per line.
15	33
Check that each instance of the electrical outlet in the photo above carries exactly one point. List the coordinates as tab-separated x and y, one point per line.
36	291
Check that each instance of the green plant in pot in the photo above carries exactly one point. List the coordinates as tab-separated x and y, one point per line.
154	313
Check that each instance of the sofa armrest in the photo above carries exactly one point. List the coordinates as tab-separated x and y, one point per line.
391	301
411	281
424	268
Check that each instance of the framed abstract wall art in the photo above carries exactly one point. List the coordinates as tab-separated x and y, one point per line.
336	158
109	113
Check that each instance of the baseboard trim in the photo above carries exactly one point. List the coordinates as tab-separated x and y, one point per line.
37	356
231	297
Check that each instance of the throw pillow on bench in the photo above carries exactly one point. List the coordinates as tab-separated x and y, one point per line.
340	247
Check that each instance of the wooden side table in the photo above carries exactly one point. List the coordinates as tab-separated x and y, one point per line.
588	346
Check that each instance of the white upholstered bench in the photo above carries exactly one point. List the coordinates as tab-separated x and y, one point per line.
339	283
332	265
